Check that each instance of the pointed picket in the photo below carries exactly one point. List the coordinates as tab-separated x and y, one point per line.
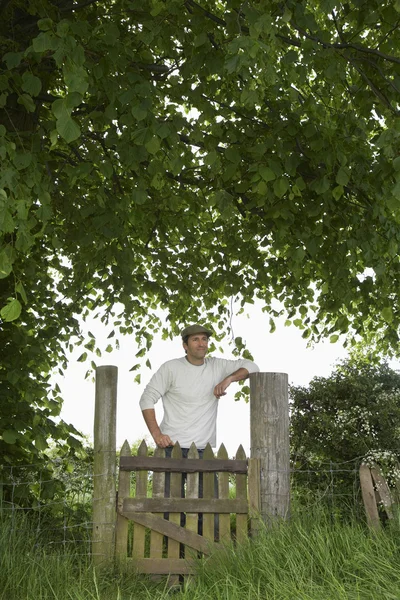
241	493
208	492
139	531
121	532
158	490
224	529
175	492
192	491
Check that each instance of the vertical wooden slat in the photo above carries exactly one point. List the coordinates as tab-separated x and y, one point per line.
192	491
223	493
139	531
253	484
192	519
383	490
176	492
241	492
368	495
208	492
156	539
121	533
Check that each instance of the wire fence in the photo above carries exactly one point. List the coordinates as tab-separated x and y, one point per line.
58	509
55	506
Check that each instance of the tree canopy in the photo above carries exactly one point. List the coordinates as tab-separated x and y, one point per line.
177	154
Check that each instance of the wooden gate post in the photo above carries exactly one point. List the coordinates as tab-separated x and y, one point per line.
104	468
269	441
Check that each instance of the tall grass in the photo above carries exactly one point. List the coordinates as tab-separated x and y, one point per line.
305	559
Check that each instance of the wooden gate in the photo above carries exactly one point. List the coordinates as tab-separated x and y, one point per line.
166	537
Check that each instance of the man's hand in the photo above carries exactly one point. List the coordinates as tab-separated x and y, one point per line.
238	375
163	441
220	388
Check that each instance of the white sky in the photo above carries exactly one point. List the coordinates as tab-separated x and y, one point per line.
282	351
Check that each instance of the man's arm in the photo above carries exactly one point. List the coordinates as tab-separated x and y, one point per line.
238	375
162	440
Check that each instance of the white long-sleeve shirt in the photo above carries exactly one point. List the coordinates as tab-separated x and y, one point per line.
190	407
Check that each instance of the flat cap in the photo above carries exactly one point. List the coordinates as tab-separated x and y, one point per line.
192	329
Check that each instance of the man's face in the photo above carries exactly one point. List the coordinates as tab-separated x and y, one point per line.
196	347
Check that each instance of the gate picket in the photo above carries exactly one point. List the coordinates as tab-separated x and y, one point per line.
241	493
223	493
139	532
156	538
208	493
176	485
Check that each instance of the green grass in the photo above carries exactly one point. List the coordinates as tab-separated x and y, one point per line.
306	559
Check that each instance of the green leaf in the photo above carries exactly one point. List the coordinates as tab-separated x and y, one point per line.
337	192
267	174
19	288
200	39
333	339
27	102
73	442
7	224
22	161
13	59
5	265
10	436
233	155
45	24
31	84
342	177
139	112
153	145
387	314
44	41
59	108
82	357
76	79
211	158
140	196
11	310
41	443
68	128
281	186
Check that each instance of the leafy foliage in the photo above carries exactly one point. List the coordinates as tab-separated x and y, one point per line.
354	413
177	154
340	421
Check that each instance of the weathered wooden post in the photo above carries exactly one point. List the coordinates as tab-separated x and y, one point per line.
104	485
269	441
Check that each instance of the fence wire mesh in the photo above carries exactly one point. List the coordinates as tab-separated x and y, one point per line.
56	506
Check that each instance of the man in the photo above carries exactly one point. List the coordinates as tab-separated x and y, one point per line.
190	388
